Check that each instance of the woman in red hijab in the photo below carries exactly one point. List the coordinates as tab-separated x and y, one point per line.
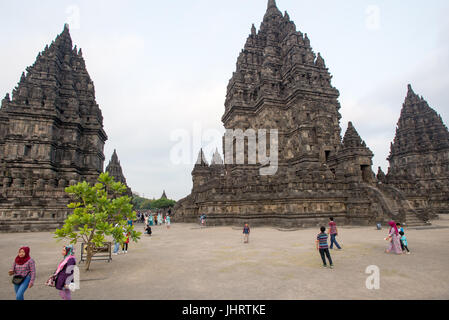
23	272
393	237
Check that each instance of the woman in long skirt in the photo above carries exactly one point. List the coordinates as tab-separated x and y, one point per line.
394	238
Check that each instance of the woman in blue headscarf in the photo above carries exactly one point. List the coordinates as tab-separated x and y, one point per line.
64	274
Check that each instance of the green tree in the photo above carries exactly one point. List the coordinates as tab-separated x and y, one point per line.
162	203
98	211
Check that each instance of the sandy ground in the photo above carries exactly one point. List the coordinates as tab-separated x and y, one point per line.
192	263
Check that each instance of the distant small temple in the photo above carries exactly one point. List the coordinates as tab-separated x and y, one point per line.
115	169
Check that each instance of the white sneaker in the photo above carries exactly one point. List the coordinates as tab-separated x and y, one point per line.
126	251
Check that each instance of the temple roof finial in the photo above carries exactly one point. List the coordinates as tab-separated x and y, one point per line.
271	3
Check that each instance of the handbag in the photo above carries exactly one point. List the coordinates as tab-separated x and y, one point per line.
17	279
51	282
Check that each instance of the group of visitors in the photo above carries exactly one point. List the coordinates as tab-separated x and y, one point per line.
322	242
125	243
23	273
397	239
151	220
24	267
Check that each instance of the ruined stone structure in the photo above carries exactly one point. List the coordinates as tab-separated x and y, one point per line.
114	168
419	157
280	83
51	136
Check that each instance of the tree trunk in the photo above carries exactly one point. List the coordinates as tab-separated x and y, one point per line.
90	253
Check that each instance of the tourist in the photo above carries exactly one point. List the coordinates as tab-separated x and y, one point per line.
63	277
393	238
404	244
125	244
23	272
159	218
167	221
203	219
246	232
322	247
116	244
333	233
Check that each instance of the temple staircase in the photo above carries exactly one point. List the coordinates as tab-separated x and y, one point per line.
395	205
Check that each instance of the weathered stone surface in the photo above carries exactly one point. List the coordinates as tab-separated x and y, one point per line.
280	83
51	136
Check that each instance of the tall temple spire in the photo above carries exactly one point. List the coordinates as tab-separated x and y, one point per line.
55	94
418	154
420	128
114	168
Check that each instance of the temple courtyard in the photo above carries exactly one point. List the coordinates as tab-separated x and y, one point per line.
187	262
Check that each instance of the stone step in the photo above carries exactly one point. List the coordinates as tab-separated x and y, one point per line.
413	220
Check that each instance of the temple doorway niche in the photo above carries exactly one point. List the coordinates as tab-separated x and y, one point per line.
366	173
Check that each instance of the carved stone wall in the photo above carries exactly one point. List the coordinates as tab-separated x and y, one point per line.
51	136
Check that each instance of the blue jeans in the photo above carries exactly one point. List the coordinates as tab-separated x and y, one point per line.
333	240
21	288
116	247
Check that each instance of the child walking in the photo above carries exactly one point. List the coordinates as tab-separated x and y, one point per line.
125	244
246	232
404	244
323	248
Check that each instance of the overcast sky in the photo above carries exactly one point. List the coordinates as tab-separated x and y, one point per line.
161	68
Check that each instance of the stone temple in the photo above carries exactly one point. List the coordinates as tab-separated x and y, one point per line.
114	168
419	157
280	83
51	136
